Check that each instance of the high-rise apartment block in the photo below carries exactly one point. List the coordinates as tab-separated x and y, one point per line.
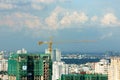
3	62
30	67
55	54
59	68
3	67
102	66
114	69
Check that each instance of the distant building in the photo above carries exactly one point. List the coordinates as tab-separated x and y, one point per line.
55	55
102	66
47	51
1	55
30	67
84	77
23	51
82	68
3	62
4	77
114	69
73	68
3	67
59	68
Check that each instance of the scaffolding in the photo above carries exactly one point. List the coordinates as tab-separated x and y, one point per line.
30	67
84	77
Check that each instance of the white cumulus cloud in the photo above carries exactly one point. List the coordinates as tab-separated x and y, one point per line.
75	17
61	18
52	21
36	6
94	18
50	1
18	21
6	6
43	1
110	19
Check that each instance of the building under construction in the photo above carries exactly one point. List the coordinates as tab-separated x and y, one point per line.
84	77
30	67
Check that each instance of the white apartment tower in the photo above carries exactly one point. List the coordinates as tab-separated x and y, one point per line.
3	65
3	62
114	69
55	55
59	68
23	51
102	66
1	55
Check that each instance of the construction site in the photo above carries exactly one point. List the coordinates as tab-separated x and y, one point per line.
38	66
30	67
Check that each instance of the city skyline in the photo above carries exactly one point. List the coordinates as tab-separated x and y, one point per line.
24	23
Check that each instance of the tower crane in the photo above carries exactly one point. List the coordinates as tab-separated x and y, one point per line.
50	43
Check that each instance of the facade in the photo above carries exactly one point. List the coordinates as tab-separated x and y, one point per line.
30	67
3	63
1	55
3	67
73	68
87	68
84	77
114	69
59	68
22	51
55	55
102	66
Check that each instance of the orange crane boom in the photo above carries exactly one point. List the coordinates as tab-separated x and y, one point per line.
50	43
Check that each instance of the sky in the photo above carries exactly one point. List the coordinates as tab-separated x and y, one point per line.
25	22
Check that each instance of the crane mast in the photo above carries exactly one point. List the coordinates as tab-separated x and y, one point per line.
50	43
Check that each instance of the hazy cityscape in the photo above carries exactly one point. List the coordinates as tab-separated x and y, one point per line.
21	65
59	40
